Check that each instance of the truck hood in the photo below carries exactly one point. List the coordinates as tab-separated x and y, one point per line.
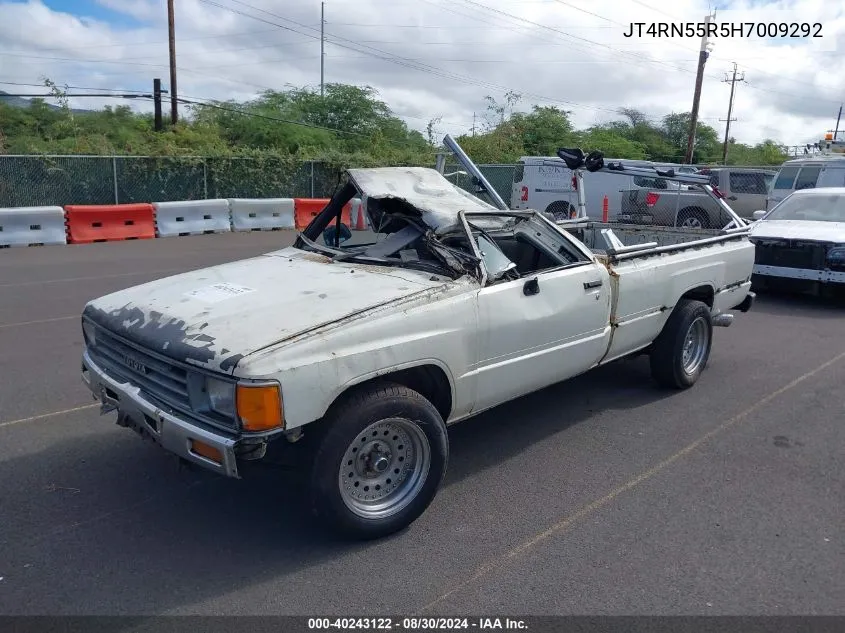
799	230
424	192
215	316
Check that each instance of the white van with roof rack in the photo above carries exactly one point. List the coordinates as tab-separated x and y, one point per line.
826	169
542	183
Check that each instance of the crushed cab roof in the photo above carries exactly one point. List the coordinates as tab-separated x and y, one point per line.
426	190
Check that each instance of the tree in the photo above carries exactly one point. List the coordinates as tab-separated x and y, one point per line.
544	130
351	125
499	112
706	147
634	116
612	144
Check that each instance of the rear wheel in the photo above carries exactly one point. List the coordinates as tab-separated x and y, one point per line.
681	351
380	462
560	210
693	218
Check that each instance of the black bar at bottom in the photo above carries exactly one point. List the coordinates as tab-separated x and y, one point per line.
562	624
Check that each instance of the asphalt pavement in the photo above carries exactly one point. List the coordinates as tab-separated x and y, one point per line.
601	495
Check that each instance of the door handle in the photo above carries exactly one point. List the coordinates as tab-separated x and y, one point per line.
592	284
731	197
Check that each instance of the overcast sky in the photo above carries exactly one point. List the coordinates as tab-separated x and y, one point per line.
440	58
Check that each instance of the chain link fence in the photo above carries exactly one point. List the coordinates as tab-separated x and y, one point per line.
59	180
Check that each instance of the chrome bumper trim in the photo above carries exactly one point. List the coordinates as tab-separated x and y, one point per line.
172	433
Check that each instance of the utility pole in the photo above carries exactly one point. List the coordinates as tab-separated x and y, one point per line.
157	103
703	53
171	29
322	48
473	123
732	81
838	116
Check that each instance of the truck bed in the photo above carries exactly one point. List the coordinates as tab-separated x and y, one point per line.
589	233
715	267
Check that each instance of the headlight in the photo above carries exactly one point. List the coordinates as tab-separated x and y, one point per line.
221	396
90	334
258	406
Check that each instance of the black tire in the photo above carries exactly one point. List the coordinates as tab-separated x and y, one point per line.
668	350
693	215
412	417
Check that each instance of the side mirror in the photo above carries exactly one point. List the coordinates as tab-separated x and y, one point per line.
330	237
758	215
531	287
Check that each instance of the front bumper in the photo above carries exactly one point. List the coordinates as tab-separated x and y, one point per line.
172	433
806	274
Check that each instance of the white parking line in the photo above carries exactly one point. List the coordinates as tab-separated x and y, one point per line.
47	415
67	279
566	522
64	318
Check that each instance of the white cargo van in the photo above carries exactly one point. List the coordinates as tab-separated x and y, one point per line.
551	188
823	170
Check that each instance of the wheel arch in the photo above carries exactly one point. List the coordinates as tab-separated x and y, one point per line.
429	377
705	293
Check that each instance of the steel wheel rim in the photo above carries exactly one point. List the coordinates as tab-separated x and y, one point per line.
695	345
384	468
692	223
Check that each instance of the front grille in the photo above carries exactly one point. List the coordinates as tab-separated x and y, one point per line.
157	378
165	382
790	254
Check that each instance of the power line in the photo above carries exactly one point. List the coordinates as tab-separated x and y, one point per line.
107	95
432	26
67	60
576	37
15	83
148	43
643	4
713	57
402	61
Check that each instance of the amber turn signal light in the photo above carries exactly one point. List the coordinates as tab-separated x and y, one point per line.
204	450
260	407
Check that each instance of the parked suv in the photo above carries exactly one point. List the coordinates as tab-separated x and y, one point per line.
807	173
745	190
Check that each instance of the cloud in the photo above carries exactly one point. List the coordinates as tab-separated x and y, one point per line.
440	58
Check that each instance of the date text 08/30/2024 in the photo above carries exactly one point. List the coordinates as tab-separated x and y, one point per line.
415	624
724	30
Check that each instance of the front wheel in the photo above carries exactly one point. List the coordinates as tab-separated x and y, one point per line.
380	463
681	351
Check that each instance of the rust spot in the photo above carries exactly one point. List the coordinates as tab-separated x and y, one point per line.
316	257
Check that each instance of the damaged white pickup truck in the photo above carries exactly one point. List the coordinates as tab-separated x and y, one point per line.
359	355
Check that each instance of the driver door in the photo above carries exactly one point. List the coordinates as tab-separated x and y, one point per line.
545	327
